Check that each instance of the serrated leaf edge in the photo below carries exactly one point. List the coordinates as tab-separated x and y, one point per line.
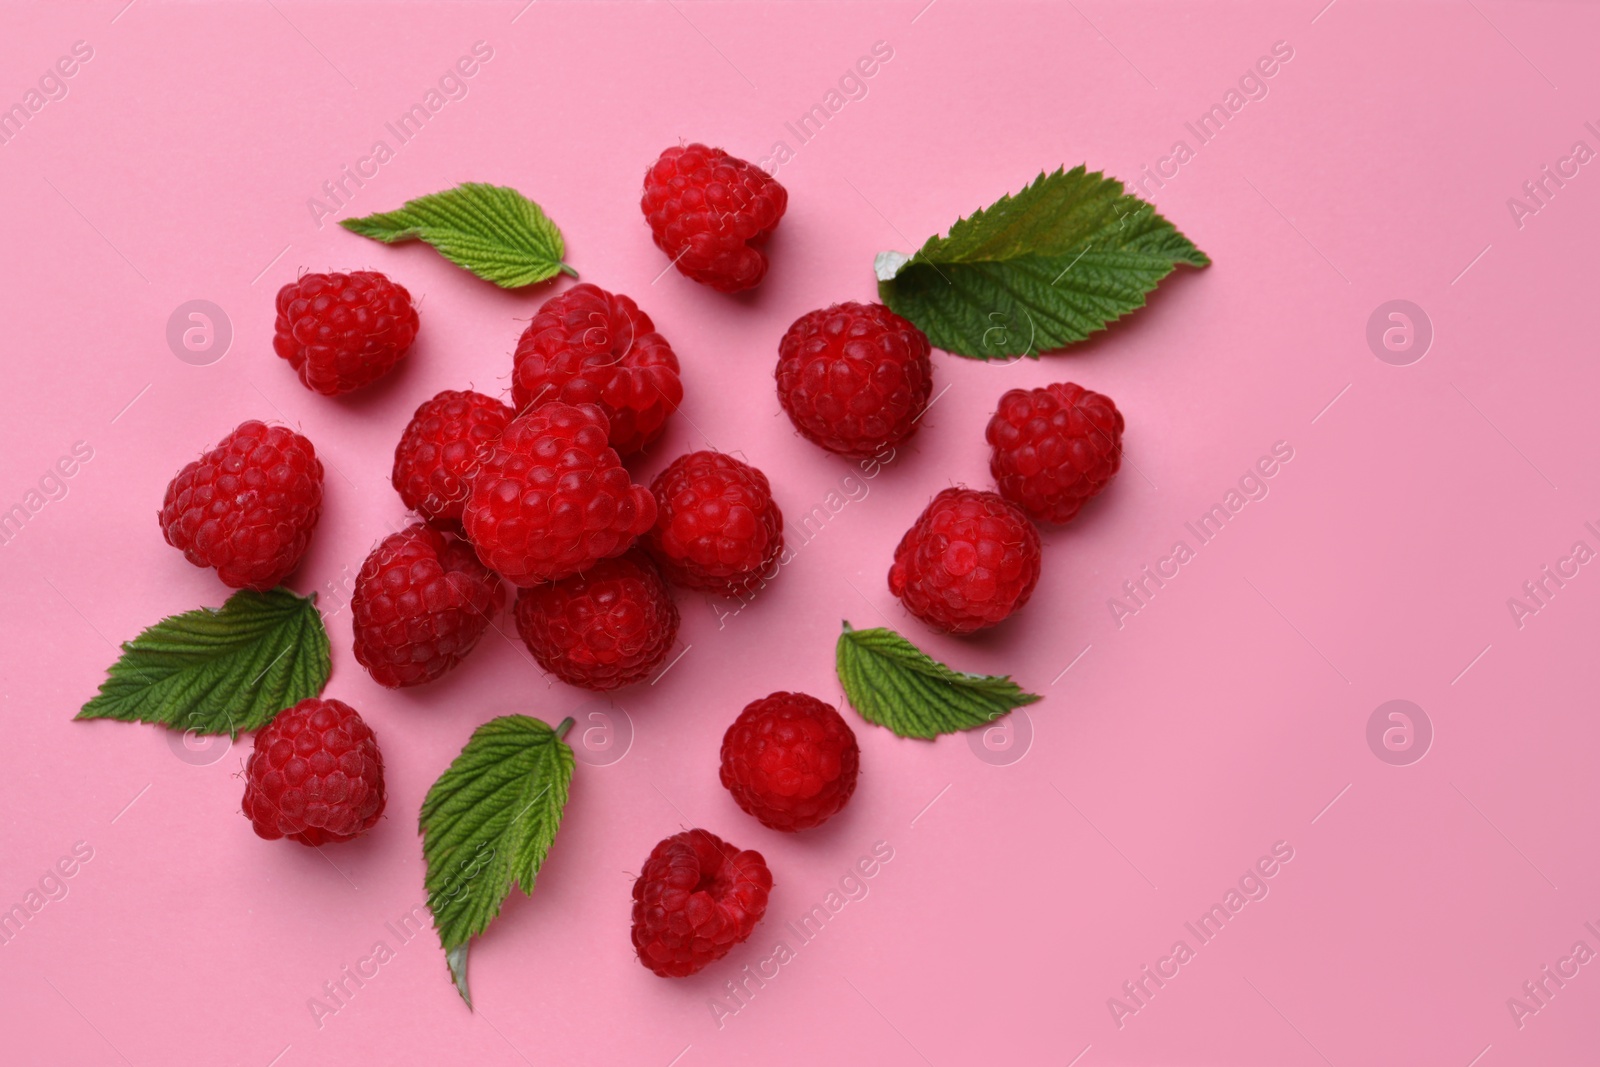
456	953
924	257
392	227
920	682
315	659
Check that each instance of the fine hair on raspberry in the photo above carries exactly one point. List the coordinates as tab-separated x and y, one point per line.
421	602
854	378
247	507
588	346
607	627
790	760
315	775
696	898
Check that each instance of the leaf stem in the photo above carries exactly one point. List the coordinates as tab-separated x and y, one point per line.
566	724
568	270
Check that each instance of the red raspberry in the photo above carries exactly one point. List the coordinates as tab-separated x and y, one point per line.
717	529
1054	448
969	561
248	506
706	208
421	602
343	331
608	627
316	775
790	760
551	498
696	898
854	378
441	447
588	346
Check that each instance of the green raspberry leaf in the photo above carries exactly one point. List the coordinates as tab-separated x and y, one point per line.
492	230
487	824
895	684
1036	271
219	670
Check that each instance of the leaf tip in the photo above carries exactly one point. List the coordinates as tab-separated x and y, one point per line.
364	226
457	959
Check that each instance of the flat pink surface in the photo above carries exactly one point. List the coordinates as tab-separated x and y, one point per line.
1175	746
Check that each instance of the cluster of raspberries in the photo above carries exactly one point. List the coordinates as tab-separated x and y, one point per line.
534	495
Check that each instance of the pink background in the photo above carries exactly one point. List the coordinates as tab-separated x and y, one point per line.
1222	718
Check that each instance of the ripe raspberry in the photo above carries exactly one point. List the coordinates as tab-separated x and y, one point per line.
854	378
588	346
551	498
969	561
696	898
248	506
717	529
421	602
608	627
316	775
706	208
790	760
441	447
343	331
1054	448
